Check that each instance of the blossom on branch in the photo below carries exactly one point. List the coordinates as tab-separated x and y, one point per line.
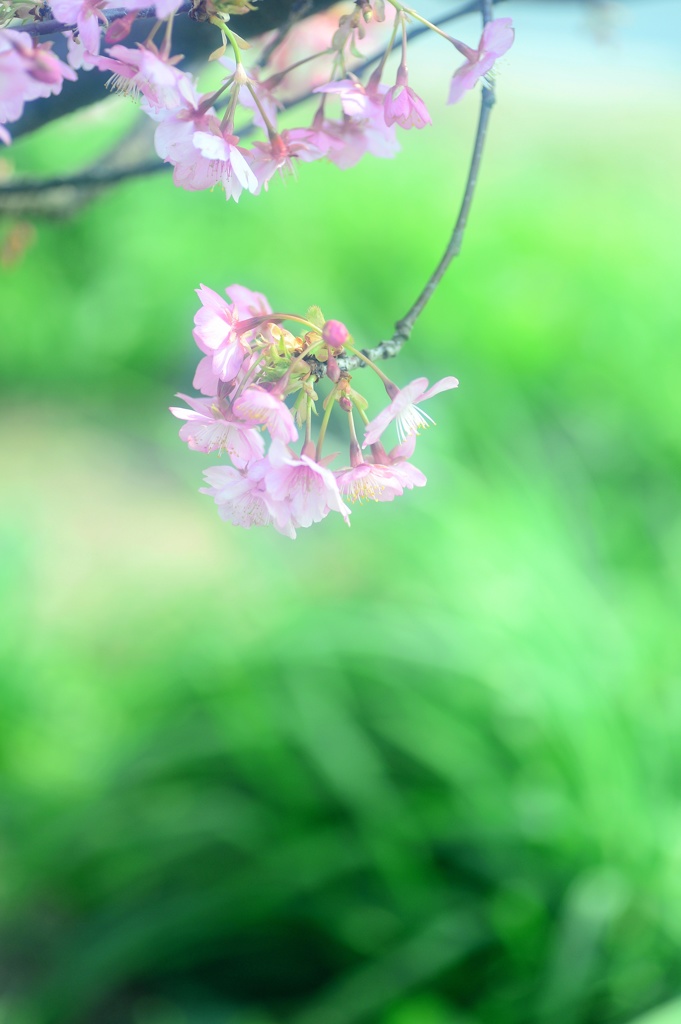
211	428
407	416
88	17
28	71
217	333
282	149
147	73
497	37
402	106
261	385
240	495
305	488
225	160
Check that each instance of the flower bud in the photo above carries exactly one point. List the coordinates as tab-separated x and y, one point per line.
335	334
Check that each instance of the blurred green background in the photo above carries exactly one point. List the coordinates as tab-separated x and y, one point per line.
425	770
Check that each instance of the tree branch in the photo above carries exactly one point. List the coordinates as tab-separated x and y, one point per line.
191	36
51	27
99	176
403	328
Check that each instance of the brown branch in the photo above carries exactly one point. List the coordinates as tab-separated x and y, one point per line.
52	26
403	328
98	177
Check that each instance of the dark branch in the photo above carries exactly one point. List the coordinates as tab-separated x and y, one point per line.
100	176
52	26
193	38
403	328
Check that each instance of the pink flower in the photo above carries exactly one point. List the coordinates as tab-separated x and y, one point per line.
248	303
365	133
277	154
28	71
164	8
226	160
217	333
209	429
406	475
77	55
381	478
307	490
409	418
497	37
87	16
368	482
354	98
174	141
257	407
241	496
402	106
143	71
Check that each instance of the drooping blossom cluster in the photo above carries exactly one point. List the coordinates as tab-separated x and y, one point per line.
201	134
261	390
28	71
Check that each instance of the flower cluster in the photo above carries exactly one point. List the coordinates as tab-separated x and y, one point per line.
205	147
28	70
258	384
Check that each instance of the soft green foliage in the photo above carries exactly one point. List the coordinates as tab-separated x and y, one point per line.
423	771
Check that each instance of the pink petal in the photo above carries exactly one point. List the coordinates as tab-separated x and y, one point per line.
497	37
442	385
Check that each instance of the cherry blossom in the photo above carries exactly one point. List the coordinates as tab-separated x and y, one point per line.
248	303
406	474
368	482
241	497
210	427
409	419
402	106
279	152
309	489
383	476
365	133
145	72
164	8
258	407
175	143
216	332
28	71
226	160
497	37
355	100
86	15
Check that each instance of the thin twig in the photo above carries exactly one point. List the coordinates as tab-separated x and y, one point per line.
404	327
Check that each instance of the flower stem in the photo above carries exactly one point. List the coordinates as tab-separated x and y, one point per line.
331	401
365	359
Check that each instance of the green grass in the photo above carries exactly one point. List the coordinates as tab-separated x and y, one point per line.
422	771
